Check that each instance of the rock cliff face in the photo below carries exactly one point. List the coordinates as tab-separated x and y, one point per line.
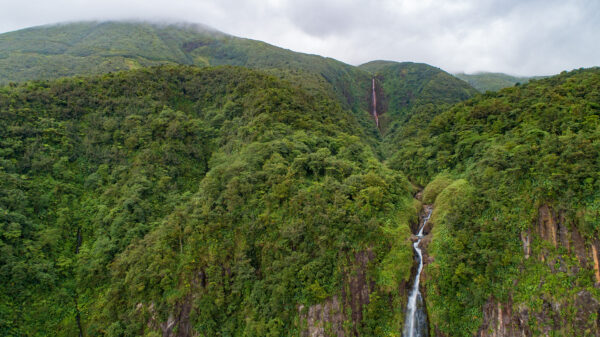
509	319
327	318
552	227
178	324
341	316
359	286
500	320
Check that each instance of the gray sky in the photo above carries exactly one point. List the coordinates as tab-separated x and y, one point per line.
523	37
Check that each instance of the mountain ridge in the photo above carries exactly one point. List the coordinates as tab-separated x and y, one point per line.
99	47
88	48
252	193
494	81
481	80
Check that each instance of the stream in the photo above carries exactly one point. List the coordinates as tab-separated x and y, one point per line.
415	323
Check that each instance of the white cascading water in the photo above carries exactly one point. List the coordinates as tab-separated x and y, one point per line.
374	103
415	323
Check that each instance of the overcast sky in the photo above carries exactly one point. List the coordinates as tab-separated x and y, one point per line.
522	37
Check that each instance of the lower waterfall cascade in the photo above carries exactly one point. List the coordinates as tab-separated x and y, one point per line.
415	323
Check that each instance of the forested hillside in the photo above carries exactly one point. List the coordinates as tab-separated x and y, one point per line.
483	81
409	88
516	219
218	200
53	51
409	95
190	183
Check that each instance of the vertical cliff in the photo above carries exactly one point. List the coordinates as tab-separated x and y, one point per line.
561	278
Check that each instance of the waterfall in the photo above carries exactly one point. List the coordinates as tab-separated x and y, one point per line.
374	103
415	323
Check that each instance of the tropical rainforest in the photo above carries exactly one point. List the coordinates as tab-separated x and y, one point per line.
483	81
172	180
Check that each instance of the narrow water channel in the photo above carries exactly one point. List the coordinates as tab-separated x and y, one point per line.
415	323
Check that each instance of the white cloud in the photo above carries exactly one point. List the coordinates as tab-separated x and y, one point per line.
515	36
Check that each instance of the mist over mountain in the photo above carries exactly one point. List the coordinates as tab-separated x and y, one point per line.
167	179
69	49
457	36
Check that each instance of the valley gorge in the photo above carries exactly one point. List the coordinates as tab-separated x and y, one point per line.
201	184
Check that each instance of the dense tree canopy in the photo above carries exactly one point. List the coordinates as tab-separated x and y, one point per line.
128	196
515	150
230	201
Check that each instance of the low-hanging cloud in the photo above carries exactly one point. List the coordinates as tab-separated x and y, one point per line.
526	37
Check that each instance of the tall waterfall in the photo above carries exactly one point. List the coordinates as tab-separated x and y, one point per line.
374	112
415	323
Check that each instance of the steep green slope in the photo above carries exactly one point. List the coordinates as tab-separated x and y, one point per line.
408	87
83	48
53	51
517	231
409	95
493	81
217	200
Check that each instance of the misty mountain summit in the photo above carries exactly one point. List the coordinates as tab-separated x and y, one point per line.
168	179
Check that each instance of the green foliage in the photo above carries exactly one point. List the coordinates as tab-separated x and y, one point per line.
410	87
413	93
474	250
515	150
435	187
228	197
130	197
494	81
560	283
85	48
539	137
397	263
454	195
